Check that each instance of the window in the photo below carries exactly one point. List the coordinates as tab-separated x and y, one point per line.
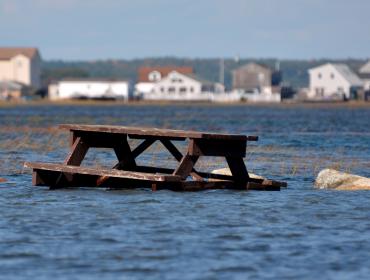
154	76
332	75
191	89
319	75
171	89
183	89
162	89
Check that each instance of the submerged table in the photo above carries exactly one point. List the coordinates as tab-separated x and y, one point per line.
128	174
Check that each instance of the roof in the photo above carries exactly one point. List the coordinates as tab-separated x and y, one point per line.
8	53
163	70
364	76
11	85
199	79
365	68
253	64
347	74
344	70
92	80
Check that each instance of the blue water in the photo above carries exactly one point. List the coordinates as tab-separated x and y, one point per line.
299	232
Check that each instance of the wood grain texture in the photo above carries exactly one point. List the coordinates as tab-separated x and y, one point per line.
102	172
141	131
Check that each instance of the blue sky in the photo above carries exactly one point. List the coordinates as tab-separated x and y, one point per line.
103	29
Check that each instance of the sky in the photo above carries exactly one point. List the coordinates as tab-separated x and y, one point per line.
128	29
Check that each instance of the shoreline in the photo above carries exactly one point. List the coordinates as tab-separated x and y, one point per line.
287	104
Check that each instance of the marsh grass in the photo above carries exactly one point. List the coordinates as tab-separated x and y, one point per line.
26	143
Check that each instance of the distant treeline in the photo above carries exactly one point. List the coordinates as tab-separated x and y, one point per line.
294	71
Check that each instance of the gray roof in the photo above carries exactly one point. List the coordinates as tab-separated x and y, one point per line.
201	80
365	68
11	85
347	74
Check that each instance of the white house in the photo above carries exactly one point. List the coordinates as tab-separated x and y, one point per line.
333	81
21	65
183	87
89	89
364	74
149	76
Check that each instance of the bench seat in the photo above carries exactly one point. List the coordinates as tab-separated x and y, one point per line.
142	176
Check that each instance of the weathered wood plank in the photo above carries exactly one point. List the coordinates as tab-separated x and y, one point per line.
186	166
238	170
77	153
124	155
102	172
261	187
215	147
142	147
178	156
139	131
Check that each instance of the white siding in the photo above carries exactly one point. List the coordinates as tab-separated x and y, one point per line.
326	81
91	89
177	86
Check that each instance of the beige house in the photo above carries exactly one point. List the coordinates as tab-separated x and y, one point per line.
20	65
251	77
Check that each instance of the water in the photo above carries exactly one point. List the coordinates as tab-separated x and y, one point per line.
138	234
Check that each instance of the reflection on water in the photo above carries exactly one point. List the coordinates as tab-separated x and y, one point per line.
295	233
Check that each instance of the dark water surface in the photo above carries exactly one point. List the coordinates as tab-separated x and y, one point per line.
299	232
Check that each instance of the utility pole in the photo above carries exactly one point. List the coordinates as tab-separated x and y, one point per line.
222	71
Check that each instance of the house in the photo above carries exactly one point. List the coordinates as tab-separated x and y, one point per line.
364	74
333	81
257	83
21	65
183	87
10	90
89	89
148	76
253	76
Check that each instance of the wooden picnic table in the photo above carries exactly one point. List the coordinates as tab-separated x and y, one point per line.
128	174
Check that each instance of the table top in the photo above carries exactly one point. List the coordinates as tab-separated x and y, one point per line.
156	132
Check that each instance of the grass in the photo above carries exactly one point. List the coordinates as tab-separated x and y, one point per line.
23	143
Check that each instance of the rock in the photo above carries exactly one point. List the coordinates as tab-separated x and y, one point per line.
333	179
2	180
226	171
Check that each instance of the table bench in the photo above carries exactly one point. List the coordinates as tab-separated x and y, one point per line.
128	174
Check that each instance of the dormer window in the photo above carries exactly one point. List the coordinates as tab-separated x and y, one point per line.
332	75
154	76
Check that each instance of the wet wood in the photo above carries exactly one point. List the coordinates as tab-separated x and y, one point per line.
178	156
223	148
102	172
145	131
186	166
142	147
77	153
238	170
127	174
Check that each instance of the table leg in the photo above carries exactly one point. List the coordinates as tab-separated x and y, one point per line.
77	153
124	155
186	166
238	170
178	156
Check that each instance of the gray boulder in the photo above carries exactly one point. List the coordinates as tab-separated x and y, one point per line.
333	179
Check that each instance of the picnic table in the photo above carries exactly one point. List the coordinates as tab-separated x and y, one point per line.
127	173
